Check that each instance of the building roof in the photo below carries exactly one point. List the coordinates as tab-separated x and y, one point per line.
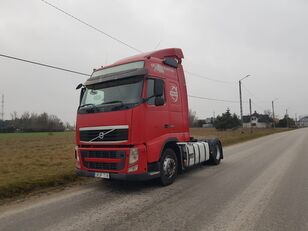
303	119
261	118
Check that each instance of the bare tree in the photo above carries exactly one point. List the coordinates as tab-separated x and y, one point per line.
35	122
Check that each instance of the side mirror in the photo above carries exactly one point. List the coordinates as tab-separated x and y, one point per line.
159	101
172	62
158	87
80	85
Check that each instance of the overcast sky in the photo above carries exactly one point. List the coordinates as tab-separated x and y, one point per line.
223	40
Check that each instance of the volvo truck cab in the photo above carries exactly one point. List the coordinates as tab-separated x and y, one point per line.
132	121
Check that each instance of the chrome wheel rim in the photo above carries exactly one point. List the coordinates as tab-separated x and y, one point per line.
169	167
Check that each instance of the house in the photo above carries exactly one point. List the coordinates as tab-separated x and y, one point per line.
257	121
205	123
303	122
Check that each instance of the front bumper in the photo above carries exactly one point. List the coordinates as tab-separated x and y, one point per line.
120	176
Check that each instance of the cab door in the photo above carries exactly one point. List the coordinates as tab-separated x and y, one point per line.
174	99
157	121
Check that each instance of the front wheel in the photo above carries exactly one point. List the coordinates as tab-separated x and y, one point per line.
168	167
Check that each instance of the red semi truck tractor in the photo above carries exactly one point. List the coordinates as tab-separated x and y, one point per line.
132	121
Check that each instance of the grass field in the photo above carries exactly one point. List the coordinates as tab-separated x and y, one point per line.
31	161
233	136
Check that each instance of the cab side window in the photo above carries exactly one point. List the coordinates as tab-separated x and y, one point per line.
150	91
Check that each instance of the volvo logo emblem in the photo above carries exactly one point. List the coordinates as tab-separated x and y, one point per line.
101	135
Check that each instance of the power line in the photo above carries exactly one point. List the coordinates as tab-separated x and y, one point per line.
258	106
211	79
84	74
122	42
91	26
43	64
252	94
80	73
213	99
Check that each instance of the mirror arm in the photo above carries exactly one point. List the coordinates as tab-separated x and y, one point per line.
80	86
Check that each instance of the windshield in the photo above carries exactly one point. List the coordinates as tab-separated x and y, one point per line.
111	96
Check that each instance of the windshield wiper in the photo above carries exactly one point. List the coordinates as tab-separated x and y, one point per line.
93	106
113	102
85	105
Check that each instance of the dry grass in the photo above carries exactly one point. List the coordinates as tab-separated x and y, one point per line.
31	161
233	136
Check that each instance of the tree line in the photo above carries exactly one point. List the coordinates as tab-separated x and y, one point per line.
32	122
228	120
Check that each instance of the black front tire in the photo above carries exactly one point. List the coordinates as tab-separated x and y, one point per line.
168	167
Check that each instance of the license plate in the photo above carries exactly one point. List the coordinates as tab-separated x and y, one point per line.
102	175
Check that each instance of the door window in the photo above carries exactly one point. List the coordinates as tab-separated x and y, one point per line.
150	92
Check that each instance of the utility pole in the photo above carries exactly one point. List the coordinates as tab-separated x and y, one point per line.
296	119
287	118
2	107
241	103
241	106
250	115
273	111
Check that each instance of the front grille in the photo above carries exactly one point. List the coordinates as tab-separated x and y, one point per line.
101	166
106	154
104	135
102	154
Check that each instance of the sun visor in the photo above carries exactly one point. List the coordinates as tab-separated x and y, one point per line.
116	76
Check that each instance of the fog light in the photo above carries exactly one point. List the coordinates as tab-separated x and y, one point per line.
133	168
77	157
133	155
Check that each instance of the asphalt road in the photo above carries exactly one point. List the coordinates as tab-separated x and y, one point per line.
260	185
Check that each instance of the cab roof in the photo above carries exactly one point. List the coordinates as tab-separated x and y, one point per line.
160	54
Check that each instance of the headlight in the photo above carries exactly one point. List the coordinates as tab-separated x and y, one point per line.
133	155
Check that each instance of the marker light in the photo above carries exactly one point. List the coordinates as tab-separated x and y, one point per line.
133	168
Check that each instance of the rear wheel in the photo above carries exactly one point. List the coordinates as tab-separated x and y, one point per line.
168	167
216	154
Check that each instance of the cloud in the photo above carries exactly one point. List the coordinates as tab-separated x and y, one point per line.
220	39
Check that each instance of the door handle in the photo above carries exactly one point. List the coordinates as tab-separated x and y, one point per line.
167	126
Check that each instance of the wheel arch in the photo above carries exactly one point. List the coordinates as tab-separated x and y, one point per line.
172	144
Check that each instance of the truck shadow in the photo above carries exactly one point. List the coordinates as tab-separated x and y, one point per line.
121	186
